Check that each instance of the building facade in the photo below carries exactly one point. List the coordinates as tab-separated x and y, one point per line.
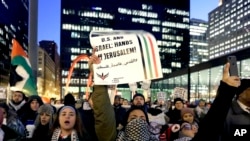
229	28
167	20
13	24
198	41
52	49
46	77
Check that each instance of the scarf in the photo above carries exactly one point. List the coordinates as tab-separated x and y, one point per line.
57	133
135	130
17	106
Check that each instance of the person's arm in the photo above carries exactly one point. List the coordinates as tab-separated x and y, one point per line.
105	125
212	125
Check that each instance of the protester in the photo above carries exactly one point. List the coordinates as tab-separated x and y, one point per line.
68	126
43	123
239	113
212	124
11	119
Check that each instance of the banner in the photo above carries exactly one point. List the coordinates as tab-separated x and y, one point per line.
126	56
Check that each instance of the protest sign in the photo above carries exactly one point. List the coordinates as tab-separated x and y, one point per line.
126	56
161	96
180	93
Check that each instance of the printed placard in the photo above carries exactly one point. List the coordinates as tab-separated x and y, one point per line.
126	56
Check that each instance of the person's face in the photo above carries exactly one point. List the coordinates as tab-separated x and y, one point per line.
17	97
121	101
117	101
136	114
34	105
67	118
245	96
202	103
44	118
4	112
138	101
125	102
178	105
188	117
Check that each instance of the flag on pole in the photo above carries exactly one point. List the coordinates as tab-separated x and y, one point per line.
21	75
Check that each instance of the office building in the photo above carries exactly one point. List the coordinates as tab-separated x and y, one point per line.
51	49
167	20
13	24
198	41
229	27
46	77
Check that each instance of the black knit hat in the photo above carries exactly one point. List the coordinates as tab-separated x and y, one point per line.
69	99
138	94
245	83
178	99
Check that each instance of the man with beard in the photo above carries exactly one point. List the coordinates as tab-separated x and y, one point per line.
17	100
138	100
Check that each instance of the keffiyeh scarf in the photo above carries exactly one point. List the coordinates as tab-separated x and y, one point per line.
135	130
57	133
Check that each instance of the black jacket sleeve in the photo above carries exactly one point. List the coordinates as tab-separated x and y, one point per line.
212	125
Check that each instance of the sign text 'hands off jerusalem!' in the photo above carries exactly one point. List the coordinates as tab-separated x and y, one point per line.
126	56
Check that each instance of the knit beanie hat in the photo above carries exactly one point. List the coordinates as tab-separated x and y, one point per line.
245	83
45	108
178	99
69	100
187	110
138	94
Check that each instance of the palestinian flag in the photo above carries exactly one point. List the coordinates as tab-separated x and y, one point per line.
21	75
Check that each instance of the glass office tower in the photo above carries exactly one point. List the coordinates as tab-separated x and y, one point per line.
13	24
229	28
167	20
198	41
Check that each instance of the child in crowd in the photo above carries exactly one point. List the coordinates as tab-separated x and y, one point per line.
188	125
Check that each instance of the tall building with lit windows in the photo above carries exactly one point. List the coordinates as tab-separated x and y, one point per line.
13	24
229	28
167	20
198	41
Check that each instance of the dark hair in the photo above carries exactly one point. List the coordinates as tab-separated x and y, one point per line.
79	127
125	119
178	99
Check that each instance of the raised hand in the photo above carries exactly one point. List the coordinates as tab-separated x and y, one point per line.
230	80
93	60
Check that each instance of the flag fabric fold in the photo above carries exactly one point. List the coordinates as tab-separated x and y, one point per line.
21	74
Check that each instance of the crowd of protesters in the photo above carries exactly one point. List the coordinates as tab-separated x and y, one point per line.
29	118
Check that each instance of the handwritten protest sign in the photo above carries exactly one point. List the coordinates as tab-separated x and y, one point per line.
161	96
180	93
126	56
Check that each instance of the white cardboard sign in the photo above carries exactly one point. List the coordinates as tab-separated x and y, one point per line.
126	56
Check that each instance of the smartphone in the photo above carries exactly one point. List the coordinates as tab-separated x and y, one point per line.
233	70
